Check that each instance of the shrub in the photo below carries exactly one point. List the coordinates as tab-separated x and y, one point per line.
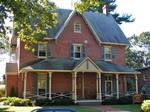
145	106
3	99
121	100
15	101
43	102
12	92
63	102
47	102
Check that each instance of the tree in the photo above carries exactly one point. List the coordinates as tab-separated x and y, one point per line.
142	54
31	19
96	6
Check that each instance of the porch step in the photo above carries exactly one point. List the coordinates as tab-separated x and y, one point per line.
89	102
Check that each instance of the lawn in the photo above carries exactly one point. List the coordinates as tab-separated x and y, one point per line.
28	109
132	107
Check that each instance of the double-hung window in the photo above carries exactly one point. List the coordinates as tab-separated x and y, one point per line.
77	27
108	53
77	51
42	50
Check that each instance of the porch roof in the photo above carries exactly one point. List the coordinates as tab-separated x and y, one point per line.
70	64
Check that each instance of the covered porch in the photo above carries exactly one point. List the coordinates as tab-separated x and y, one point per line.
83	81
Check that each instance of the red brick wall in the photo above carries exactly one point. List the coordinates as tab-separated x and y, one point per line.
11	81
120	57
61	82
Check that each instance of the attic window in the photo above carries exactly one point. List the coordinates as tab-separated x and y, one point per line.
77	27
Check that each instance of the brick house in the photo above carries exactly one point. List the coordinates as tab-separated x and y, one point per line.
83	58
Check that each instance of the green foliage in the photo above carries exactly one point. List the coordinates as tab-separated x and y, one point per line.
31	21
47	102
146	106
12	92
115	101
137	58
3	99
96	6
15	101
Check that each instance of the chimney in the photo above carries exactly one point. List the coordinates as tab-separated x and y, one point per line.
105	9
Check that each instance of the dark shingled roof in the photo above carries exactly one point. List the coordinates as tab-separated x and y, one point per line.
109	67
63	15
104	26
70	64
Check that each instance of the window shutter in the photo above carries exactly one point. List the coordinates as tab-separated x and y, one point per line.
102	53
34	84
83	52
113	53
35	49
71	51
48	50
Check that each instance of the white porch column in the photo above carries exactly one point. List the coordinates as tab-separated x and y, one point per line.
25	85
50	85
136	83
74	86
117	85
100	86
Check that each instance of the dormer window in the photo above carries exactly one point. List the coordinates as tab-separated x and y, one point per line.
42	50
77	27
108	53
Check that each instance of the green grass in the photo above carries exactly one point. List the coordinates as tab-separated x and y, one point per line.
132	107
28	109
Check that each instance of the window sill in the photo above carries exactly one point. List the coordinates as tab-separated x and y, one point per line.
77	32
42	57
108	60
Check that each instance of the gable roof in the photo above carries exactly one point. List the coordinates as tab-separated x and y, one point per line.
104	27
70	64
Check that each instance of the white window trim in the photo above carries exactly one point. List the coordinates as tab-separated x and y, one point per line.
77	23
110	47
45	50
74	51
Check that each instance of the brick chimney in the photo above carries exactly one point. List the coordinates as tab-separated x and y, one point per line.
105	9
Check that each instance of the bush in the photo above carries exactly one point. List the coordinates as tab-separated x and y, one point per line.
15	101
115	101
3	99
47	102
145	106
43	102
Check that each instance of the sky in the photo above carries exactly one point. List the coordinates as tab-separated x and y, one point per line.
138	8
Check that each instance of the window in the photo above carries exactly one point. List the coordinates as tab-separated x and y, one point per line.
42	50
108	85
77	28
42	84
108	53
77	48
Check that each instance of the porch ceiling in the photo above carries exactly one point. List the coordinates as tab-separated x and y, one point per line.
86	64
